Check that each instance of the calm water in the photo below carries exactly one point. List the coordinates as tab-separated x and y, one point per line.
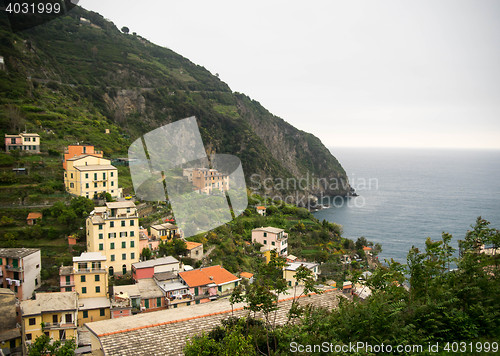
407	195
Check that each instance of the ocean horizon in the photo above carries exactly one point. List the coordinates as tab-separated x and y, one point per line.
409	194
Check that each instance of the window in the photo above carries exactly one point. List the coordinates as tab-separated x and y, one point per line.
102	312
97	278
71	175
85	314
123	234
112	174
95	184
132	243
132	255
265	234
273	243
112	259
32	321
124	256
82	279
84	290
124	244
28	337
100	227
112	235
265	242
103	175
123	222
131	234
112	246
103	184
112	183
131	222
68	289
95	176
101	247
69	318
111	224
86	185
101	236
86	176
71	185
98	289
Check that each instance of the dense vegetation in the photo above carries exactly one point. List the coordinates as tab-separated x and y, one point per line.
441	305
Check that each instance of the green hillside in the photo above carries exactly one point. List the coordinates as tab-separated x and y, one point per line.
70	81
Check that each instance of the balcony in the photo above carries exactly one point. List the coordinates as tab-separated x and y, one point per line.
13	268
90	270
62	325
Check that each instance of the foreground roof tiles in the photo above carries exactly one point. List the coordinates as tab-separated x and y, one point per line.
165	332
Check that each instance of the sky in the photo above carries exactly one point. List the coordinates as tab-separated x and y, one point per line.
385	73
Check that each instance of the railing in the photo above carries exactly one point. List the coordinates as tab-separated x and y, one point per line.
60	325
14	269
91	270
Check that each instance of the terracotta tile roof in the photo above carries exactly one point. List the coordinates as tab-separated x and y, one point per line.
207	275
261	208
34	216
366	248
246	275
190	245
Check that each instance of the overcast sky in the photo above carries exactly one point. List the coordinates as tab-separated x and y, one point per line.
354	73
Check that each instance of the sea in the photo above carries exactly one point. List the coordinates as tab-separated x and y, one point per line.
407	195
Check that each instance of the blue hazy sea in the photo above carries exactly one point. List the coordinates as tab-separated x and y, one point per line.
407	195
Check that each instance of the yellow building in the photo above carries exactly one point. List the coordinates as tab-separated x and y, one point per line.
53	314
90	276
88	175
113	231
290	271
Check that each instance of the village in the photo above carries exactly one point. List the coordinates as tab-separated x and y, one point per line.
115	245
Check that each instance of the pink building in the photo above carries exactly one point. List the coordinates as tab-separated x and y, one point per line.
146	242
24	142
146	269
271	238
66	279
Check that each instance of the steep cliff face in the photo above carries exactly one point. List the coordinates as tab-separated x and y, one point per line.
110	79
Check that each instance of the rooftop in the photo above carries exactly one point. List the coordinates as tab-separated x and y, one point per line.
34	216
165	276
89	257
167	287
18	252
93	303
166	226
164	332
149	289
76	158
126	291
207	275
155	262
274	230
246	275
65	270
95	167
49	302
120	204
295	265
190	245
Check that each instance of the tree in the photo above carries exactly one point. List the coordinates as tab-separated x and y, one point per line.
43	346
146	254
125	30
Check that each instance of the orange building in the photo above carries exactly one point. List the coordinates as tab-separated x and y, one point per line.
78	150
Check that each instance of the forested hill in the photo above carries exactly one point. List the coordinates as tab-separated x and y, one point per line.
72	79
